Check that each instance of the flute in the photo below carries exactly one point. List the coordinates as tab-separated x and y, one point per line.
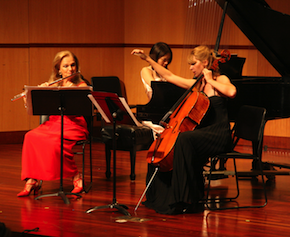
21	95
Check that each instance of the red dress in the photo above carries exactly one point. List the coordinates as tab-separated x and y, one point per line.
41	148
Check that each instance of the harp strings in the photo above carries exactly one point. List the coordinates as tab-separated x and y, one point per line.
202	25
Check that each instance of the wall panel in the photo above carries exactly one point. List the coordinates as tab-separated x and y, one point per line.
149	21
32	32
14	21
69	21
102	35
14	74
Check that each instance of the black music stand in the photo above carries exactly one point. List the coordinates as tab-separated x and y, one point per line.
59	101
113	111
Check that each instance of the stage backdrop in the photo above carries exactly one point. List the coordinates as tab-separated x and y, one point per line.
102	35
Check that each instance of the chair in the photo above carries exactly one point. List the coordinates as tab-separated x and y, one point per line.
129	138
82	143
249	126
109	84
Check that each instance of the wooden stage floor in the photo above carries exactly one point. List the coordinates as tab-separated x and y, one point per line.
55	218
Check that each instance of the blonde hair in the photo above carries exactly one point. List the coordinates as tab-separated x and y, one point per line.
56	67
203	53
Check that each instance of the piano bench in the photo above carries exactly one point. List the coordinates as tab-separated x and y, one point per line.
128	138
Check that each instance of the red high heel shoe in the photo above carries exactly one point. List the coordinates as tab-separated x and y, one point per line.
77	188
36	186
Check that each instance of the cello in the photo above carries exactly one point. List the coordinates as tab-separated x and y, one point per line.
185	115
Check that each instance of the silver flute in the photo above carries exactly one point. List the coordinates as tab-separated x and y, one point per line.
21	95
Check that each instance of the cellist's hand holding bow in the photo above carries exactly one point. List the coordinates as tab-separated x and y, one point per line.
140	53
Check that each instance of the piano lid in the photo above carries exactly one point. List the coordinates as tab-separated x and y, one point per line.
266	28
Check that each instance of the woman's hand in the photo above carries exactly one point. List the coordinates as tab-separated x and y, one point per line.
25	101
207	74
140	53
222	84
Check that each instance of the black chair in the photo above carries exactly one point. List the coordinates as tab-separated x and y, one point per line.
129	137
249	126
82	143
109	84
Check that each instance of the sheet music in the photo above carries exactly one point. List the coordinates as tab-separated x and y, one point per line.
157	129
101	111
122	99
106	114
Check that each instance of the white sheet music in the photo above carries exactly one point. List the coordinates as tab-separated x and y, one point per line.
99	108
124	103
122	99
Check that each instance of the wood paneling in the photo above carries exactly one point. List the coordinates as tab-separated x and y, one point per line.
151	21
101	34
69	21
14	21
14	69
32	29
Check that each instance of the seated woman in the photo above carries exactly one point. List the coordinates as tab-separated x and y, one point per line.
41	146
181	189
162	54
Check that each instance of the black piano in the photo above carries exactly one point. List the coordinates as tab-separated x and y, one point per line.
267	29
164	96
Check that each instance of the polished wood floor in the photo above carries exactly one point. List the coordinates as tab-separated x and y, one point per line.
55	218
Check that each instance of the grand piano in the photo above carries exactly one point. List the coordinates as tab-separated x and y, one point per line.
164	96
267	29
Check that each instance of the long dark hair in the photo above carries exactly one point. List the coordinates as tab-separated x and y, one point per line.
160	49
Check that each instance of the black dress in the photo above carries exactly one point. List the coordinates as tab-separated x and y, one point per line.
171	192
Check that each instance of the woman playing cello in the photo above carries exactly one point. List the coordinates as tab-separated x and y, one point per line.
180	190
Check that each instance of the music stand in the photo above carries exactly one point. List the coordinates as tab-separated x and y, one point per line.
59	101
114	110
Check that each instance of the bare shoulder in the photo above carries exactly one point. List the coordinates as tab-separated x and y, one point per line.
146	71
223	79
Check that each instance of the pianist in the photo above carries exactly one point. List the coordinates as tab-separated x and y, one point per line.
162	54
180	190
